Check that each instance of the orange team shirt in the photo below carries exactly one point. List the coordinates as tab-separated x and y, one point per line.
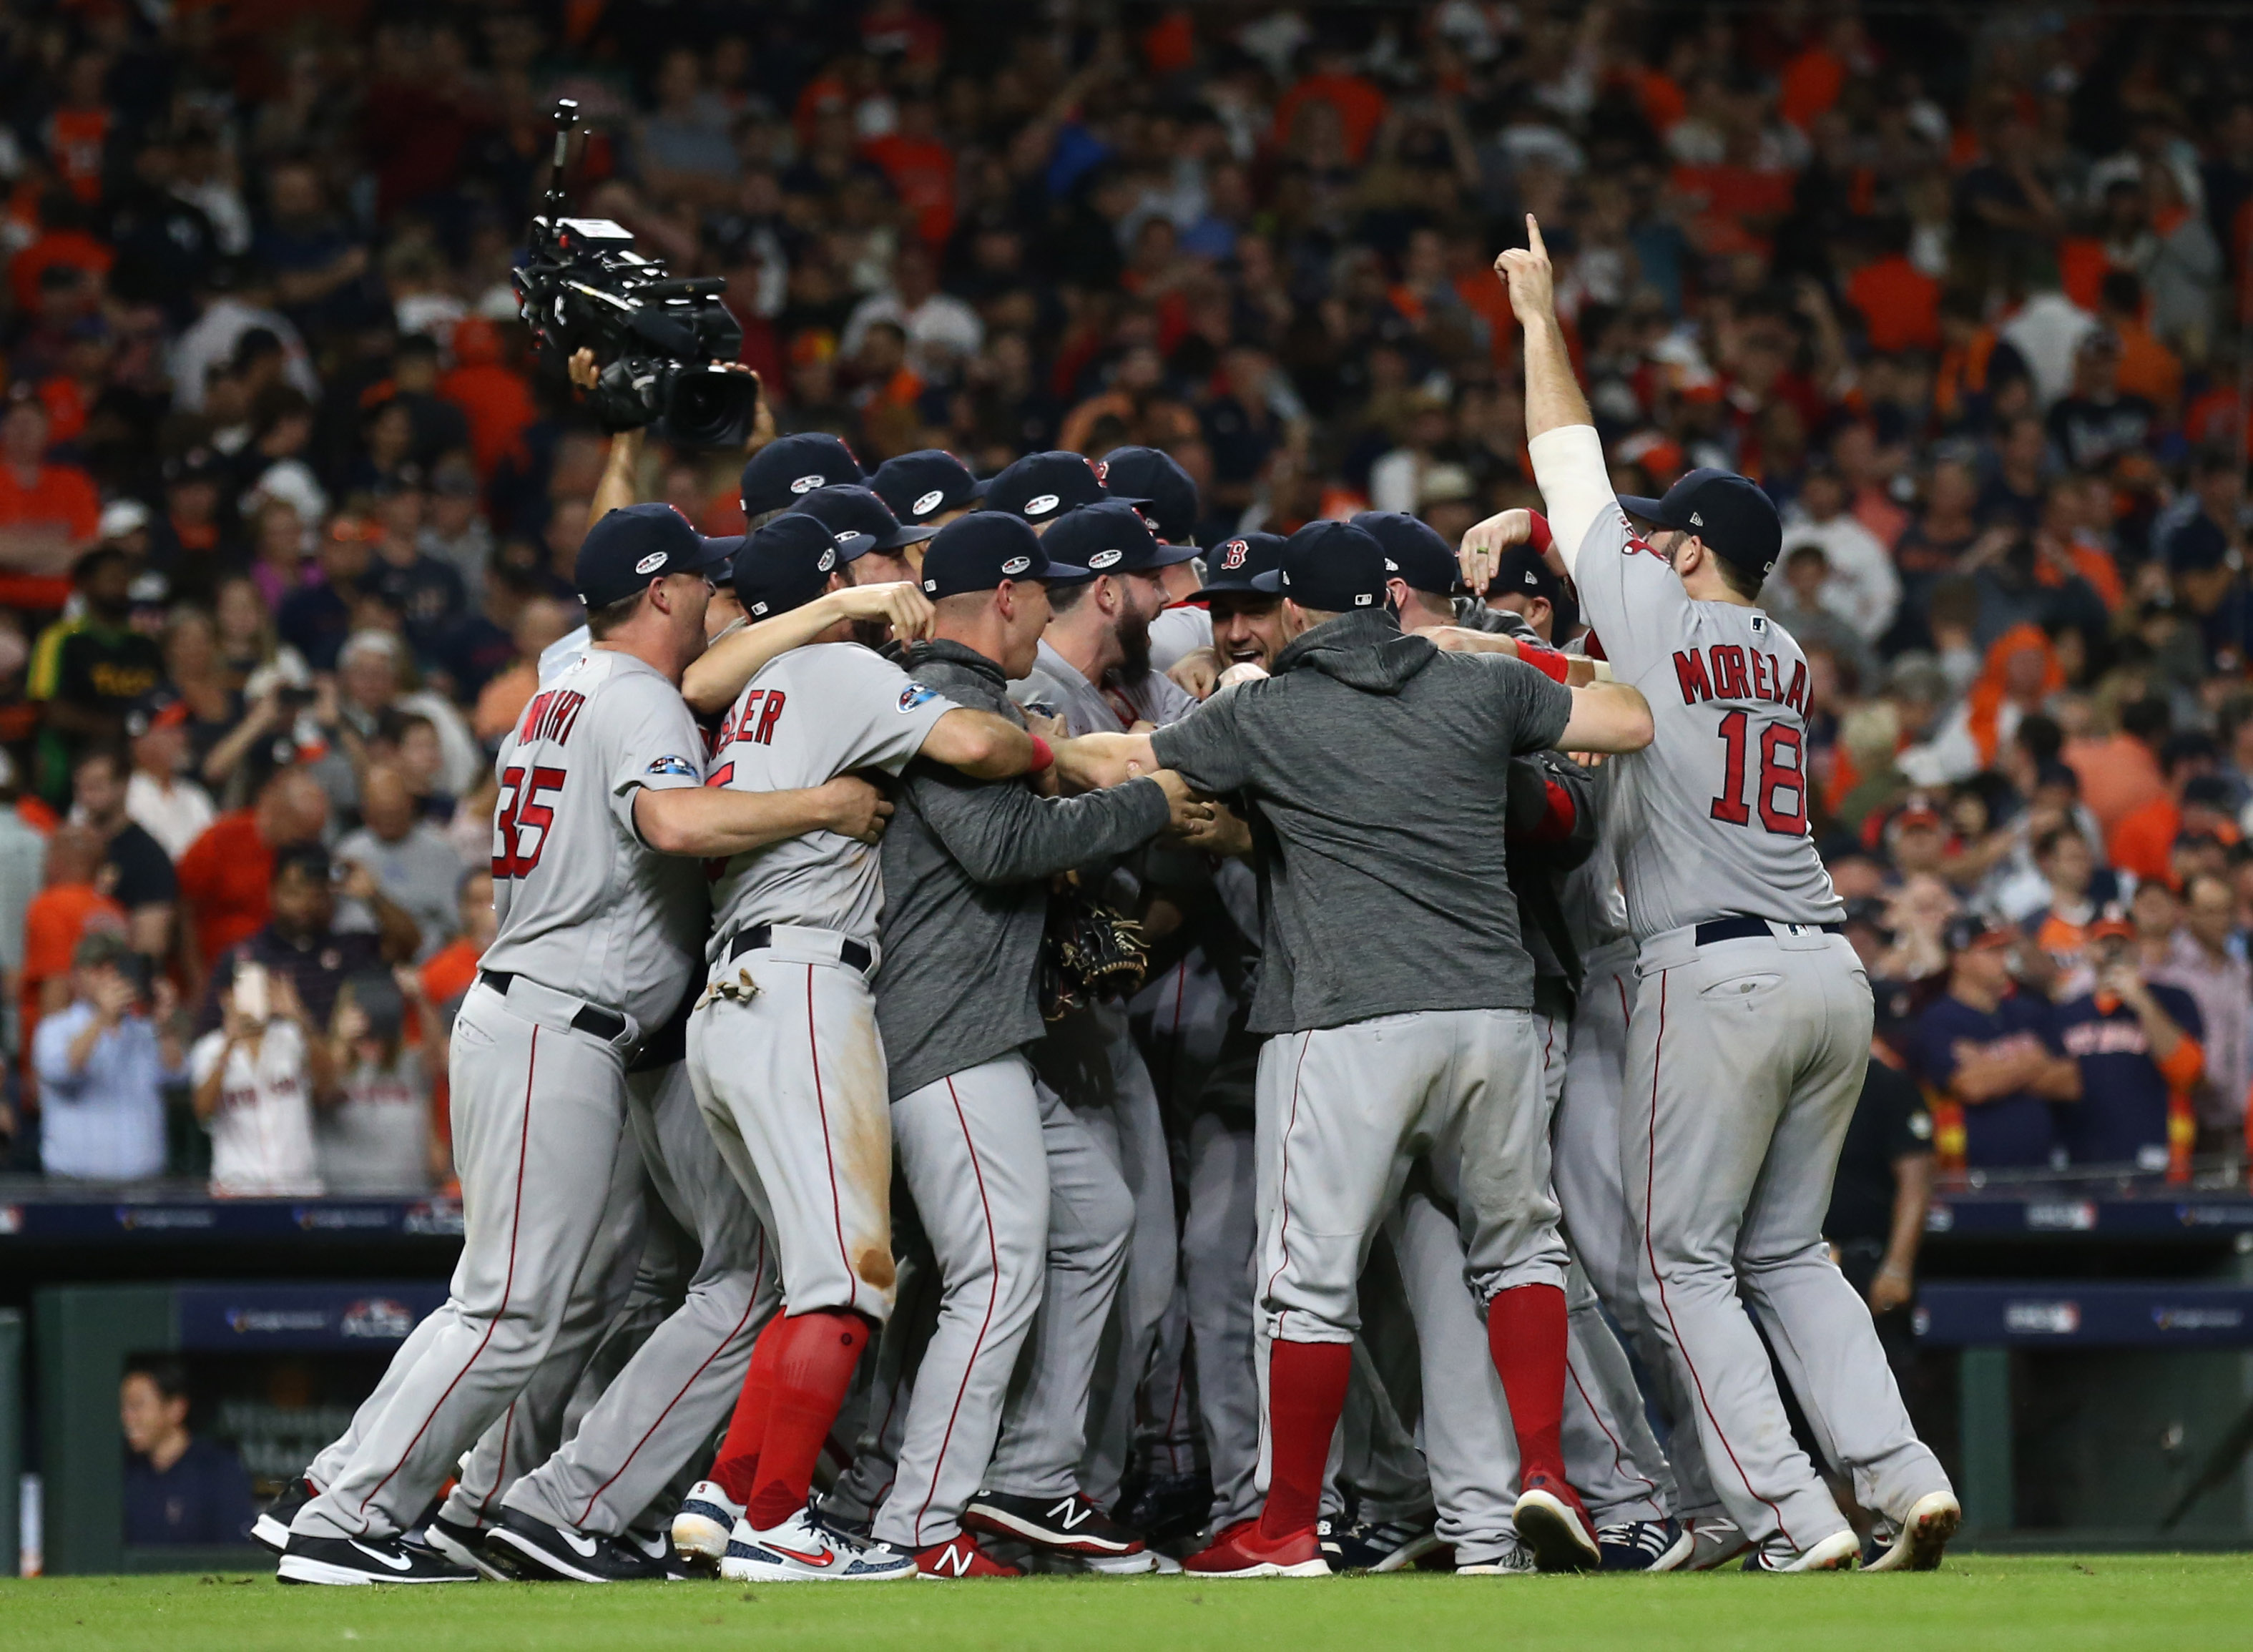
1361	110
498	404
61	496
922	175
2145	841
53	923
2119	776
450	970
73	246
1900	304
2148	368
1811	84
224	875
75	141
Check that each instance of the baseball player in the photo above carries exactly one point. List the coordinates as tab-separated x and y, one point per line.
1044	487
1374	764
928	488
783	1047
1752	1018
1172	514
601	801
874	547
991	1157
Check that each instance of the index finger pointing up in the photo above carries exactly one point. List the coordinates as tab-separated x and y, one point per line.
1533	237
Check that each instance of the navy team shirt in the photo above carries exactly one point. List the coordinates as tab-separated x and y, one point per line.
2122	1116
2013	1131
203	1498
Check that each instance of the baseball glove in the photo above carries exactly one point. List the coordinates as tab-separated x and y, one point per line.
1089	952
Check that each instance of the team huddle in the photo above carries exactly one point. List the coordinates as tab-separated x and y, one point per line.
1495	994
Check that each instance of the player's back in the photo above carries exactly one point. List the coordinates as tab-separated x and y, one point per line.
585	907
808	716
1711	819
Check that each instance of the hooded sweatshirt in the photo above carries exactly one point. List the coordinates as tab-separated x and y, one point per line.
1377	770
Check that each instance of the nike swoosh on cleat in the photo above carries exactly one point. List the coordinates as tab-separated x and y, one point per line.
584	1547
402	1563
825	1559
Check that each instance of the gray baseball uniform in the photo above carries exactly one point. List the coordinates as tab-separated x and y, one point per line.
1748	994
1090	1059
784	1050
595	942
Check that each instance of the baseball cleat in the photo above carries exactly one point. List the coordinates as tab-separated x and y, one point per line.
353	1560
1069	1523
1241	1551
1515	1560
700	1530
656	1547
543	1553
271	1530
1635	1545
1837	1552
960	1557
465	1546
1922	1537
1551	1522
1374	1545
1704	1542
803	1551
1171	1507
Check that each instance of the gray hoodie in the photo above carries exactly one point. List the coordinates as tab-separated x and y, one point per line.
1377	770
964	896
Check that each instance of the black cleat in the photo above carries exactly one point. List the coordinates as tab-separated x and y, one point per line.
542	1553
1374	1545
1070	1523
1171	1507
463	1545
343	1560
1636	1546
271	1530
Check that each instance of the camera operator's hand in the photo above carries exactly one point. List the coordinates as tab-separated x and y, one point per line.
583	369
763	424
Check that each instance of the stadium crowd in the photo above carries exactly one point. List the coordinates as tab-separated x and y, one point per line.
288	507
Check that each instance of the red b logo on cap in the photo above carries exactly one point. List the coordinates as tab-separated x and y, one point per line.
1232	555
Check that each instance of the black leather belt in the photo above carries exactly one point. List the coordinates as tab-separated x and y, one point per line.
601	1023
850	953
1744	929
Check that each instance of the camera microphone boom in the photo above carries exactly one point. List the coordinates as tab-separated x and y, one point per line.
668	338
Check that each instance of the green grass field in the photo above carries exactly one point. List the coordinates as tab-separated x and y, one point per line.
1979	1603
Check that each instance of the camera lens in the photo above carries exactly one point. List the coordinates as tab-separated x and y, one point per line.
710	406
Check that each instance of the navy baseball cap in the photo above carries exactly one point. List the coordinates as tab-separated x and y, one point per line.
629	547
976	552
1419	557
785	565
862	521
1333	566
1235	564
789	468
1726	510
1171	492
1042	486
927	483
1111	538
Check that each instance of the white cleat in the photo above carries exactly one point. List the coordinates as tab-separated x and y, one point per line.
1514	1562
1922	1537
700	1530
1837	1552
1704	1544
802	1550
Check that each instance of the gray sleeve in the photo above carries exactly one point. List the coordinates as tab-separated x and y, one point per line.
1532	709
1001	832
1205	746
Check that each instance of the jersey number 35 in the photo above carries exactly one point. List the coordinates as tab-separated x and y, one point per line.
521	819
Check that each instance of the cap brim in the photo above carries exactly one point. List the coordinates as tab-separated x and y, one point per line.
1171	555
719	553
1269	583
1061	573
1649	510
1123	499
908	534
1203	596
977	490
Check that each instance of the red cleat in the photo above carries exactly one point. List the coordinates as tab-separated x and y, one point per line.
1241	1551
1551	1521
960	1556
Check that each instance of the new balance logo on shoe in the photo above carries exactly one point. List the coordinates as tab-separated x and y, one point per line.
956	1561
1069	1517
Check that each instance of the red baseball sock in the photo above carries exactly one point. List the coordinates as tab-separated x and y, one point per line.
812	1368
1306	1391
1525	1334
736	1471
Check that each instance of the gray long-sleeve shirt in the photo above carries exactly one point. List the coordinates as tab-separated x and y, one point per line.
963	897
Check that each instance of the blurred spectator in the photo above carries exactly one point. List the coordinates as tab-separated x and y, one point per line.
378	1136
2206	960
138	874
425	593
73	901
88	670
2196	801
49	513
226	875
410	860
2138	1046
1991	1050
300	940
256	1076
371	671
179	1487
102	1061
167	805
1859	585
541	622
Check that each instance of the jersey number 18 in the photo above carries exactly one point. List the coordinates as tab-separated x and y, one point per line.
1782	775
